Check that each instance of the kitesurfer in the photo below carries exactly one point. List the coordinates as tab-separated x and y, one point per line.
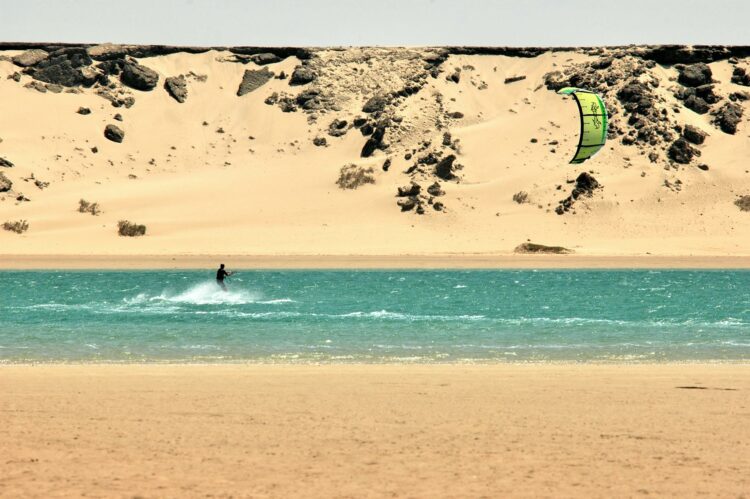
220	275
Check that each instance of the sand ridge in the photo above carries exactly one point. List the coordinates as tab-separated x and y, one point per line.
251	182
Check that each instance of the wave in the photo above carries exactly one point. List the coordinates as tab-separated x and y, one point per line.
205	293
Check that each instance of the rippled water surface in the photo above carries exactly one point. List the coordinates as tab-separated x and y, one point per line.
375	316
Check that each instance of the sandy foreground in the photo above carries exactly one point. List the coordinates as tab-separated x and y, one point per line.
374	431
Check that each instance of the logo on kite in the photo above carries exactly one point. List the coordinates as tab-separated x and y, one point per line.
593	122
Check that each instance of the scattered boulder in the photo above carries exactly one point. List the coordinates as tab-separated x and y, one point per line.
84	111
740	77
739	96
703	166
521	197
407	204
386	164
541	248
30	57
265	58
375	103
320	141
455	77
444	168
176	86
302	75
697	104
514	79
410	190
130	229
693	134
374	142
585	184
456	115
694	75
138	77
682	152
117	117
435	190
253	79
5	183
337	128
4	163
728	117
114	133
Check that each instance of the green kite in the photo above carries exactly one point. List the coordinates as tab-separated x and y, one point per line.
593	122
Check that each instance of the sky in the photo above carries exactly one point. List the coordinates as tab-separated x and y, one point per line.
377	22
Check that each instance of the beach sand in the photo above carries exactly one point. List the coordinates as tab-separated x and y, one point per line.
375	431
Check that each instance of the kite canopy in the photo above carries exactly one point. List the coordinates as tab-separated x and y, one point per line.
593	122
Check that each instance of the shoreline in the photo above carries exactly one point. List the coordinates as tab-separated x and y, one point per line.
374	262
418	431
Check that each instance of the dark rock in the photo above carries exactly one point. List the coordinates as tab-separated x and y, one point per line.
586	182
407	156
681	151
4	163
63	67
695	75
407	204
374	142
703	167
30	57
444	169
265	58
272	99
387	164
114	133
555	80
693	134
375	103
438	206
95	149
282	76
309	99
455	77
420	209
739	96
337	128
111	68
5	183
541	248
84	111
253	79
740	77
15	77
320	141
435	190
176	86
430	158
410	190
35	85
533	141
636	97
302	75
367	129
514	79
359	121
456	115
728	117
118	117
697	104
138	77
287	105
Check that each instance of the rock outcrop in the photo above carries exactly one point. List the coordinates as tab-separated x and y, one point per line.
176	86
253	79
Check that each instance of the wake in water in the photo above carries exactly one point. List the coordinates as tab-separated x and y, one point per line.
205	293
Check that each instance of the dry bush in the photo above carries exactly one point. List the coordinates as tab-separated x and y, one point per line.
19	226
743	203
352	176
86	207
129	229
521	197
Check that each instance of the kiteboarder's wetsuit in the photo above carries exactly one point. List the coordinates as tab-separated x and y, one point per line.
220	275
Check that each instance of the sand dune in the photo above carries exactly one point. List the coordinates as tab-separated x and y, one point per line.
250	181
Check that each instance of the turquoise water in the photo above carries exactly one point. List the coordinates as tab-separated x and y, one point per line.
375	316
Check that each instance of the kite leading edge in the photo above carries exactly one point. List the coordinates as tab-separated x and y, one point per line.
593	122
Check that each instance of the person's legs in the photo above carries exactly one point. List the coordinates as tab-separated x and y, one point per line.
222	285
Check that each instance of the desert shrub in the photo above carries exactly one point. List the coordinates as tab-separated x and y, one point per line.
743	203
19	226
129	229
86	207
521	197
352	176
